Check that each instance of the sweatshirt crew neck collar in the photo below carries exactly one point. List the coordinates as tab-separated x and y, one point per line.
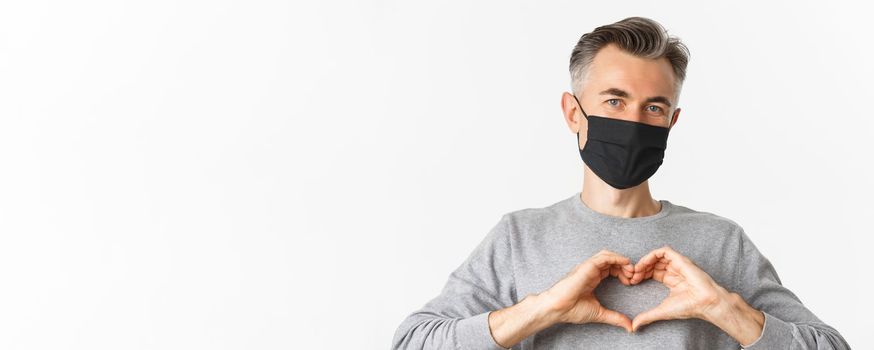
590	214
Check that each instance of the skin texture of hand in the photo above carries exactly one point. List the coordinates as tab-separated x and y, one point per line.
694	294
573	300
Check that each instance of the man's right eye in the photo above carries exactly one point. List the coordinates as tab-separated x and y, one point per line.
612	100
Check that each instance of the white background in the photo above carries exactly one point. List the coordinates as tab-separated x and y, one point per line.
265	175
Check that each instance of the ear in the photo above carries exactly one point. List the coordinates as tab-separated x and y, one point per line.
674	118
571	112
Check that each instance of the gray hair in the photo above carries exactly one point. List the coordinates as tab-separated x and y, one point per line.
638	36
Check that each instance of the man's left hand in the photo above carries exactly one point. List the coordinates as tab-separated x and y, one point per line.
694	294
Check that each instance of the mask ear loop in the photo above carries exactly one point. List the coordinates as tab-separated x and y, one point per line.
584	115
581	107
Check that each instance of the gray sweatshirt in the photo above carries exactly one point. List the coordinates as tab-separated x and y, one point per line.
529	250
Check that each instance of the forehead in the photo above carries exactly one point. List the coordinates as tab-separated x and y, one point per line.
641	77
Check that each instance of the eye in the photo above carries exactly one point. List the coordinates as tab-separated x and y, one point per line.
612	100
657	108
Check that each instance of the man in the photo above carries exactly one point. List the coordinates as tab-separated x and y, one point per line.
611	267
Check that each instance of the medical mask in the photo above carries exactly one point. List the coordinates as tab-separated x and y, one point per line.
622	153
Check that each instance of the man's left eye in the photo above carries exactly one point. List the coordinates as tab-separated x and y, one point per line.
657	108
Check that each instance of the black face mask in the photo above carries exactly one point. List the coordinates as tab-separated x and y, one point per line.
622	153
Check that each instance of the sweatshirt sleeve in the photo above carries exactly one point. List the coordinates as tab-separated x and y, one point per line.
457	318
788	323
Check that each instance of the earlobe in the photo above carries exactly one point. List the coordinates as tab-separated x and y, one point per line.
676	116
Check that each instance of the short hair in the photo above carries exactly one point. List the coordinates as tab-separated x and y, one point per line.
638	36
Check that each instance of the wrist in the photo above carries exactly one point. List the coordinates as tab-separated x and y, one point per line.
735	317
723	305
543	310
550	310
511	325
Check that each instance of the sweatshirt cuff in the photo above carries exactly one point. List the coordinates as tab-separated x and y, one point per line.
474	333
776	334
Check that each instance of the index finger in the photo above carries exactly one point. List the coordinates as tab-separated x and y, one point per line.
607	258
666	253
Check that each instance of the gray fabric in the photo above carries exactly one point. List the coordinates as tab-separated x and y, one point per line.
529	250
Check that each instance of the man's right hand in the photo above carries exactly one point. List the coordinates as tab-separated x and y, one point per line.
572	299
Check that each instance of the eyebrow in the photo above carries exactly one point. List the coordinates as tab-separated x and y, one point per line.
623	93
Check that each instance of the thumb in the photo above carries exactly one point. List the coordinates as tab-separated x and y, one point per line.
613	318
649	316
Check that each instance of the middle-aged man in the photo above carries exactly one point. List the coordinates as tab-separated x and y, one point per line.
610	267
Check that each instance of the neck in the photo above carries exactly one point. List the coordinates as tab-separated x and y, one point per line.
628	203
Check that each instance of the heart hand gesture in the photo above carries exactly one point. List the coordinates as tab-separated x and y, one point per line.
693	294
